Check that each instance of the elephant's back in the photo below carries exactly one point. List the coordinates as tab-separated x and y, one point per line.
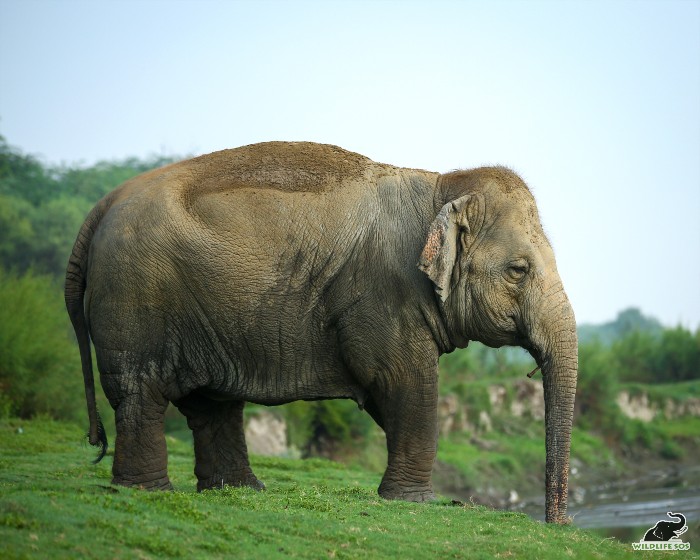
282	166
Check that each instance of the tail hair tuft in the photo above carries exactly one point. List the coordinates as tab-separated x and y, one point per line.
102	443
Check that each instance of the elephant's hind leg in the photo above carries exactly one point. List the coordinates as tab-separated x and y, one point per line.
141	455
221	454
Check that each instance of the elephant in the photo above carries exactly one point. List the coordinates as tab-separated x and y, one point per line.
667	530
287	271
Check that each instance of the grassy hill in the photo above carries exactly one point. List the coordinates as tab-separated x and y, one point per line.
55	504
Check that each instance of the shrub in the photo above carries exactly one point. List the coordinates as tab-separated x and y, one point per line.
596	389
672	451
40	365
322	428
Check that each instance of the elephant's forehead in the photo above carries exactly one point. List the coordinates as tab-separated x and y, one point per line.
519	216
515	212
519	206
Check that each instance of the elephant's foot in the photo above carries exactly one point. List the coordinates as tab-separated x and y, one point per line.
217	482
395	491
159	483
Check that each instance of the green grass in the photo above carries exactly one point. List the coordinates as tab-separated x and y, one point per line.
590	449
516	460
686	428
480	469
55	504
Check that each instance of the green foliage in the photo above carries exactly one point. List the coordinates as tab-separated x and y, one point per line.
590	449
17	235
632	357
323	428
596	389
459	365
678	356
55	504
672	451
42	208
679	391
672	356
92	183
463	455
634	434
645	359
22	175
40	366
481	362
474	395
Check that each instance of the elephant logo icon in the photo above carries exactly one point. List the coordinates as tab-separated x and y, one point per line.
667	530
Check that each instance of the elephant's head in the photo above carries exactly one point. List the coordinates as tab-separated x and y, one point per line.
496	276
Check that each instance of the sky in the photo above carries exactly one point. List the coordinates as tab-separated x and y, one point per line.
595	103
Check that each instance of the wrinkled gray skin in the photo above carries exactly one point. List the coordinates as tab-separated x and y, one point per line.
285	271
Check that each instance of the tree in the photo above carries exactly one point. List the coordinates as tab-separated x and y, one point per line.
642	357
632	357
677	357
597	387
627	321
23	176
42	208
17	235
58	220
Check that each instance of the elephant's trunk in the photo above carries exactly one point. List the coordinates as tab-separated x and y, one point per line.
681	520
557	354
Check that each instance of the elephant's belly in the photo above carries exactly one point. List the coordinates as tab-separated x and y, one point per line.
286	390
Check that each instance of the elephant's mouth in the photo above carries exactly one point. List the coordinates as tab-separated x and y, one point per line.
522	338
516	336
534	352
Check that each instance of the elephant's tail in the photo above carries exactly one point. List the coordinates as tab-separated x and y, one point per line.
74	296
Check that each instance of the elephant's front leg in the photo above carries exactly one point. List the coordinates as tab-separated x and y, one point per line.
221	454
409	417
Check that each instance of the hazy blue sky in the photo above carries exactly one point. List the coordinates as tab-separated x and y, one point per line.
596	104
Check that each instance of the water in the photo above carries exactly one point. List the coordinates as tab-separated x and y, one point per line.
626	508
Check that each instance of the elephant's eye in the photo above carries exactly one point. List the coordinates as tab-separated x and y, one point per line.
517	270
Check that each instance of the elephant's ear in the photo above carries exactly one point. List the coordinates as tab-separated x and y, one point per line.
449	234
